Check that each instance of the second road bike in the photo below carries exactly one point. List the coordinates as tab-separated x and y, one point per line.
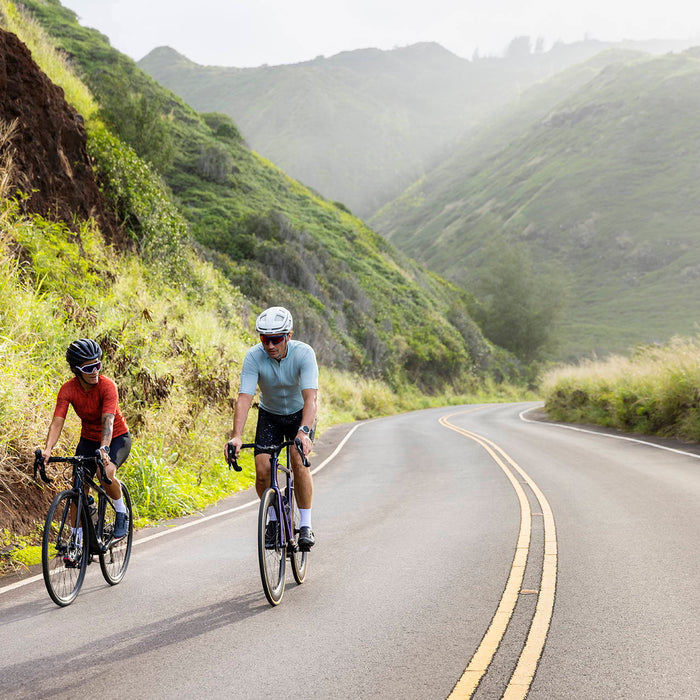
76	530
278	521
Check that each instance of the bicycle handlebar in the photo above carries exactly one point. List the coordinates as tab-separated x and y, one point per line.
41	467
231	458
233	462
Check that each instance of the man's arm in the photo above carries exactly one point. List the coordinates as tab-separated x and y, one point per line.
308	416
240	415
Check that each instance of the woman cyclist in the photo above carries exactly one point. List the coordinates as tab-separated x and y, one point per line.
96	401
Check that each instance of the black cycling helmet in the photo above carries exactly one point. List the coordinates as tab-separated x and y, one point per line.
81	351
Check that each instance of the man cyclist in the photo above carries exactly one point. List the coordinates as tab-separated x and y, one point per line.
95	399
287	374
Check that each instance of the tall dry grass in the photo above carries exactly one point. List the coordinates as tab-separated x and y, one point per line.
656	390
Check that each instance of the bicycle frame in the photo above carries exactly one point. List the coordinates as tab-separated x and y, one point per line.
273	553
98	544
284	505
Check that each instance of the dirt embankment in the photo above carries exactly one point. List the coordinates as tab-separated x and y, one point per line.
46	159
49	145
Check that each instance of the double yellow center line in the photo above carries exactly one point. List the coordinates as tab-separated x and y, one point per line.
524	672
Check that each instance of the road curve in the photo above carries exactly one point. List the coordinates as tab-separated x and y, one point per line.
421	536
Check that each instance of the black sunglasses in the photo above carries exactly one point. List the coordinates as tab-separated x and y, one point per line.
272	339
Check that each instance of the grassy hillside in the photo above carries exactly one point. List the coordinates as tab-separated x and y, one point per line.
595	171
172	325
360	126
653	392
364	306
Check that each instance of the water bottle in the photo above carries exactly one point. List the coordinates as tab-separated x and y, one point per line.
92	509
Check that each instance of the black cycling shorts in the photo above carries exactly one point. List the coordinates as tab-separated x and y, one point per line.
119	450
273	429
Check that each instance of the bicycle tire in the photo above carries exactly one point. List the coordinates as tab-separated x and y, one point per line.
62	565
115	560
299	559
272	561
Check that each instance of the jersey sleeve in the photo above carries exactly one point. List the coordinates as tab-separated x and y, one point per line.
249	375
62	403
110	398
308	375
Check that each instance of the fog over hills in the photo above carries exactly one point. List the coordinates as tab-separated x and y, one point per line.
361	126
595	170
587	154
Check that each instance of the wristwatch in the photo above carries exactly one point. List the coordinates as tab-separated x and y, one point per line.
105	449
305	429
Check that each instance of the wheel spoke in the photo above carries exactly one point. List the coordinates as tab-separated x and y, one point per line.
63	554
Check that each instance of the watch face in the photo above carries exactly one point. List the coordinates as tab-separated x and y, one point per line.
305	429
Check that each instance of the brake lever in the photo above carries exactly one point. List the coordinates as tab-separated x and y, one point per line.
304	461
40	467
231	458
101	465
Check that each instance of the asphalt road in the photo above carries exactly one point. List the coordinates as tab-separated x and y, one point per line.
542	560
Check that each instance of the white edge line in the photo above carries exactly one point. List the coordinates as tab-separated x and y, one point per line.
609	435
192	523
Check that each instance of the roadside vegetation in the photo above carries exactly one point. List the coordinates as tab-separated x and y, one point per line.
654	391
174	350
174	319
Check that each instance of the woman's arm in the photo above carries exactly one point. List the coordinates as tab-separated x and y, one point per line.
107	429
52	438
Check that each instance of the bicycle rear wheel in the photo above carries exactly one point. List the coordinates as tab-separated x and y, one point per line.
272	559
299	559
114	561
64	553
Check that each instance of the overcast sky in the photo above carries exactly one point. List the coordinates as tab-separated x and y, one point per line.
253	32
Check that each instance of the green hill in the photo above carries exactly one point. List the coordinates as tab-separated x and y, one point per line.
595	171
365	306
360	126
96	244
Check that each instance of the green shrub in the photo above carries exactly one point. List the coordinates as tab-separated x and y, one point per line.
656	390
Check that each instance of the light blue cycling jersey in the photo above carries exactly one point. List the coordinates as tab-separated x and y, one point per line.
281	383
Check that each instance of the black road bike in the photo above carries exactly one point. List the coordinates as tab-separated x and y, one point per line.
278	522
76	530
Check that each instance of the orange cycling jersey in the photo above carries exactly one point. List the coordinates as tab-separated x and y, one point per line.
91	405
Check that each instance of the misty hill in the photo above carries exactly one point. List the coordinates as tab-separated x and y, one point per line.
595	170
364	306
360	126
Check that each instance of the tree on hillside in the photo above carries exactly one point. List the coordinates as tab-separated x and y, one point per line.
520	307
137	118
519	47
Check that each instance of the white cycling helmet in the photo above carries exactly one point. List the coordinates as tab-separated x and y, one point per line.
274	321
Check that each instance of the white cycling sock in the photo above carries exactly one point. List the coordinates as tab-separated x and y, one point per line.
305	514
119	505
78	535
271	514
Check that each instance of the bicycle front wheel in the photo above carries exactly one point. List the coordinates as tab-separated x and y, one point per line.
271	553
64	549
300	560
114	561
